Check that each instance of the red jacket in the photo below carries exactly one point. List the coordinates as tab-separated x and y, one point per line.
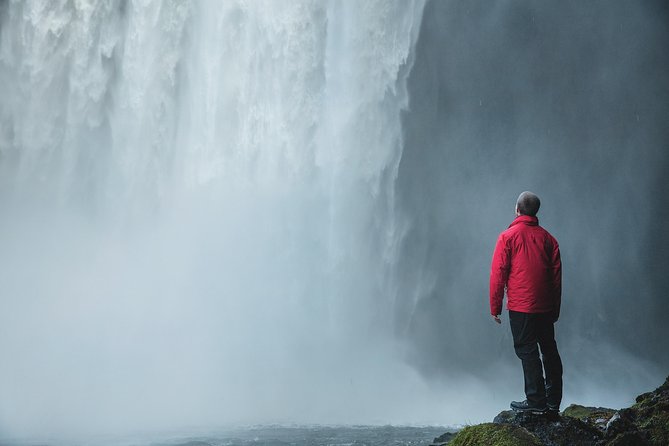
527	262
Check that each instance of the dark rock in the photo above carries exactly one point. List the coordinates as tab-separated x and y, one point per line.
506	416
554	430
596	416
443	439
646	423
622	421
651	415
628	439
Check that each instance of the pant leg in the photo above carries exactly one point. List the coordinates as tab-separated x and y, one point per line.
551	359
523	329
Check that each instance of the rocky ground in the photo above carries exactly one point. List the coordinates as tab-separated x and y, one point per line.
645	423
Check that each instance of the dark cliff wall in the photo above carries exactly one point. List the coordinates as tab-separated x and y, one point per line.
569	100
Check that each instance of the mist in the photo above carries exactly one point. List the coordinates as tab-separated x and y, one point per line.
198	226
569	100
228	213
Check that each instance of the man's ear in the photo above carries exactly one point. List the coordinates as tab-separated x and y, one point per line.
517	211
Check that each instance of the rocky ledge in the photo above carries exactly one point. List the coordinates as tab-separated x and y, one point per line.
645	423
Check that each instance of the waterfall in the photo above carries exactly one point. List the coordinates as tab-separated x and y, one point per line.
199	221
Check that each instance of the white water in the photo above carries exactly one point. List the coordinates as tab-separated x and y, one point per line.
198	222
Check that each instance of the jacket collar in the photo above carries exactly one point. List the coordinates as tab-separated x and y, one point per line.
525	219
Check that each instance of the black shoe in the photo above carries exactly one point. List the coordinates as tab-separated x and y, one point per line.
524	406
553	407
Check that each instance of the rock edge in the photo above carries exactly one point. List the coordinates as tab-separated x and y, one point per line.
644	423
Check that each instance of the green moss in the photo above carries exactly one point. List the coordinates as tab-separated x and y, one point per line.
651	412
591	415
494	434
577	411
658	428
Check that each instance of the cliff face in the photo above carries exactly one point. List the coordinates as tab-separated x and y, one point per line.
645	423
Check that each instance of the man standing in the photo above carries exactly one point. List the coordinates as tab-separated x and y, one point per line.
527	263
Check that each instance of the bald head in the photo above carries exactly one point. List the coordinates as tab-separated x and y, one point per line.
528	204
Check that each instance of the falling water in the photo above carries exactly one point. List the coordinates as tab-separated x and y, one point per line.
198	212
221	213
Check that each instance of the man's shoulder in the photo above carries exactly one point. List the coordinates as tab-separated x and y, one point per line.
546	231
508	235
548	236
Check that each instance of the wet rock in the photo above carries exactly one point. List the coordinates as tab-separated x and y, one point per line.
505	416
628	439
554	430
494	434
443	439
596	416
646	423
622	421
651	415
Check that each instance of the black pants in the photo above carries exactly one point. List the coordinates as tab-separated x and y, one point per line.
532	331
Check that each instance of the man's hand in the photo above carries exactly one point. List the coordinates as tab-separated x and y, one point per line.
496	318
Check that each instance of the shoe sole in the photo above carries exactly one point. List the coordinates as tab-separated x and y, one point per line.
532	411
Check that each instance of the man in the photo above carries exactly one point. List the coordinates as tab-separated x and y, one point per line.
527	263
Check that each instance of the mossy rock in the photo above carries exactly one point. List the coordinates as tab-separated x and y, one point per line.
645	423
494	434
656	427
443	439
651	413
651	399
595	416
628	439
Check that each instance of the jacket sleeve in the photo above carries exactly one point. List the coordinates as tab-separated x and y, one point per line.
556	276
499	274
